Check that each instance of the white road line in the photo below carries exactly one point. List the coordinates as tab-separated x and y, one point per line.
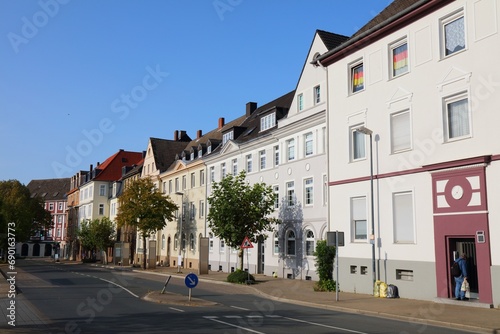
124	288
233	316
240	308
323	325
232	325
176	309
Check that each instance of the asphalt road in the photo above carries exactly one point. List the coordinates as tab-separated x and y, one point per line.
85	299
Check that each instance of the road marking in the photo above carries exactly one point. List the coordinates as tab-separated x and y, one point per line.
124	288
322	325
240	308
176	309
233	316
232	325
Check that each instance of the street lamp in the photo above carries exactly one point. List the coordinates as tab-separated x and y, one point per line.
369	132
179	258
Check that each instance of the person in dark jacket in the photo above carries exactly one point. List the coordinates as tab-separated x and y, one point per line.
462	263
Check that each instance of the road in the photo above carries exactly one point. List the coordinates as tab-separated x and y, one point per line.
86	299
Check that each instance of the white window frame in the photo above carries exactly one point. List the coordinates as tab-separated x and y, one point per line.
101	210
227	137
403	209
447	101
212	174
268	121
249	163
400	133
262	159
308	191
308	144
276	155
202	208
352	67
276	243
309	243
290	193
222	170
276	190
290	152
291	243
300	102
102	190
443	22
210	242
317	94
193	180
399	43
359	217
357	138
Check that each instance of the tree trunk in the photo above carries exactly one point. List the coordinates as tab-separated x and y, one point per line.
241	258
144	252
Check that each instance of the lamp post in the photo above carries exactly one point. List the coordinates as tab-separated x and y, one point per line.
179	258
369	132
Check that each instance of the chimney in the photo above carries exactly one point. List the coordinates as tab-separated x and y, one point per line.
182	134
251	107
91	167
176	135
221	122
198	134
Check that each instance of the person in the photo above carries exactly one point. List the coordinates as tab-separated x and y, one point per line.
462	263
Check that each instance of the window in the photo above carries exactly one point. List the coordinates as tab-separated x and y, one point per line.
202	177
357	78
209	148
176	241
200	152
268	121
193	180
400	131
223	170
325	190
235	166
184	182
453	33
226	137
183	212
212	174
202	208
276	248
399	57
404	229
317	95
176	184
170	186
262	155
222	246
300	102
309	243
308	142
192	241
60	206
290	243
51	207
308	191
457	117
291	149
358	214
191	157
357	144
114	189
276	155
290	193
183	243
163	241
211	242
58	233
192	211
249	163
276	190
101	209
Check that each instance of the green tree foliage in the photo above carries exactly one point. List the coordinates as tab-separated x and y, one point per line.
239	210
143	206
17	206
325	256
97	235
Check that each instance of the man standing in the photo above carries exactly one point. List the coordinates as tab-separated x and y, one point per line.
462	263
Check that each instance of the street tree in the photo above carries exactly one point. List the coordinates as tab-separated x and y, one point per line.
144	207
25	214
97	235
239	210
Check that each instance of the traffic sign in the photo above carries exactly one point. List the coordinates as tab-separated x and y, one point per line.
246	243
191	280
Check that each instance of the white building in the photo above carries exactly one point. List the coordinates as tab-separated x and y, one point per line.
420	77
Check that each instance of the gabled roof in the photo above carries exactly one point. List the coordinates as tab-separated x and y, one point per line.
330	39
111	168
49	189
164	151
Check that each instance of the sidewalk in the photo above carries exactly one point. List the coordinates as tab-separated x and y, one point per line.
441	312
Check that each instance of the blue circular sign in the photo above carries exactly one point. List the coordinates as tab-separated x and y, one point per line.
191	280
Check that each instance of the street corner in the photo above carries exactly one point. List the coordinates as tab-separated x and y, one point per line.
176	299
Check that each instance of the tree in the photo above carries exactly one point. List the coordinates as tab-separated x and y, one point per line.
239	210
97	235
27	213
325	256
143	206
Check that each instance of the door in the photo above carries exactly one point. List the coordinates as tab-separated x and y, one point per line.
467	246
260	256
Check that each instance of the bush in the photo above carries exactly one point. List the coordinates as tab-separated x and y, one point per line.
240	276
325	285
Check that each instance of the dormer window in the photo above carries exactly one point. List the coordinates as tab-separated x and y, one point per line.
192	155
226	137
209	148
200	153
268	121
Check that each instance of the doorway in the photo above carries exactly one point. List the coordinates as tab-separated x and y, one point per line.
260	256
467	246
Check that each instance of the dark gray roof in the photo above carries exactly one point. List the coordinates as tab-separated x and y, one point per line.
331	40
164	151
50	189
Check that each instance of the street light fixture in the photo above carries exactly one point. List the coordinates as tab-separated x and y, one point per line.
179	258
369	132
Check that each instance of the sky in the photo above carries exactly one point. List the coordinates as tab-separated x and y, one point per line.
82	79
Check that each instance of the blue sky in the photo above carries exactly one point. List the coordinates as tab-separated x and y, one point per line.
80	80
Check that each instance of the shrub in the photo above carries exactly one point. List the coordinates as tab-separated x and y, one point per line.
325	285
240	276
324	266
